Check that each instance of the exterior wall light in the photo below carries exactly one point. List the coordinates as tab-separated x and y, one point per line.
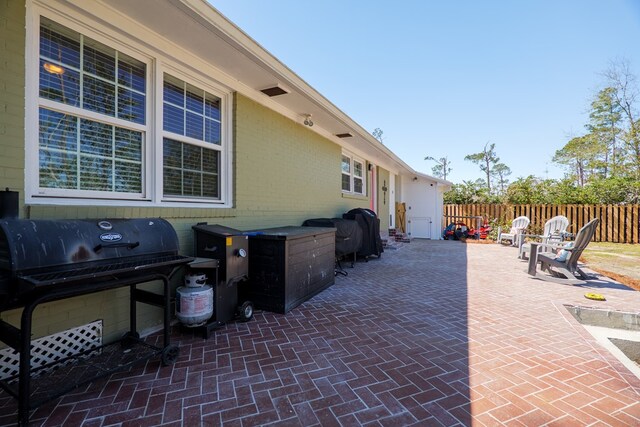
307	120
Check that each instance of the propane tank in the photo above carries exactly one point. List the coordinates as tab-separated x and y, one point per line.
194	301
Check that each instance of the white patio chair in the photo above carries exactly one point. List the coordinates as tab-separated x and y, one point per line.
518	226
553	232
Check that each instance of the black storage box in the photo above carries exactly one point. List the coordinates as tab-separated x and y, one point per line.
289	265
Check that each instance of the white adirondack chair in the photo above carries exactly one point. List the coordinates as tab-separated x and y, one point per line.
516	233
553	232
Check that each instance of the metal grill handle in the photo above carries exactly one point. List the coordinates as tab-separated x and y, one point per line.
128	245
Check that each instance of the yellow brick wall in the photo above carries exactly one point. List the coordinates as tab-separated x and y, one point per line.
284	173
12	44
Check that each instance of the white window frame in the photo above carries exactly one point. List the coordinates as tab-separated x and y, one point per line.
225	114
157	63
352	174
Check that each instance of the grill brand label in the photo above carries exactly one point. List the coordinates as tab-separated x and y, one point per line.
110	237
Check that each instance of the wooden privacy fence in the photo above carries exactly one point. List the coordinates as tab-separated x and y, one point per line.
618	223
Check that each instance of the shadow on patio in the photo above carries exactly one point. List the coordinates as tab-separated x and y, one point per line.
434	333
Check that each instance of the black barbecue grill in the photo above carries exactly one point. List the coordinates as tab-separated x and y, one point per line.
47	260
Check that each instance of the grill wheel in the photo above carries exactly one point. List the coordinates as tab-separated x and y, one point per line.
245	311
129	339
170	355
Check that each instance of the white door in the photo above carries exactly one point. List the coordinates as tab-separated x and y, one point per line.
419	195
419	226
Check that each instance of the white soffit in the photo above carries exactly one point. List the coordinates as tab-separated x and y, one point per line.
196	27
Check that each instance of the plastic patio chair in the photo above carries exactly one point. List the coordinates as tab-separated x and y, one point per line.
563	266
516	233
553	232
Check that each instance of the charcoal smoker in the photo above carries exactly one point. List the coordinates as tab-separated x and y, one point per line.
224	252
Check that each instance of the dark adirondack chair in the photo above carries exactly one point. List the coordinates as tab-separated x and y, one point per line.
566	270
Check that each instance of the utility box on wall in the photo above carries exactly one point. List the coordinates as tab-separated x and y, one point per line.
289	265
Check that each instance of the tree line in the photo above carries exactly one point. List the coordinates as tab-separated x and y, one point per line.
602	164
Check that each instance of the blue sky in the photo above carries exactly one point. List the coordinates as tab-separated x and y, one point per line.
443	78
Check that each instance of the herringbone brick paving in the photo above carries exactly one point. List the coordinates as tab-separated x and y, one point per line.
434	334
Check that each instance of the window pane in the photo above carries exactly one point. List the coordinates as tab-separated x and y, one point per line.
173	93
96	138
60	75
192	185
57	130
173	119
210	161
346	164
172	153
212	107
95	173
59	84
99	96
357	168
212	132
210	186
194	128
58	169
195	101
132	73
346	182
131	106
357	185
192	157
128	145
172	182
190	170
59	44
128	177
99	60
210	178
197	117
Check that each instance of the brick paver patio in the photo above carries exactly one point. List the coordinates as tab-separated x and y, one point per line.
435	333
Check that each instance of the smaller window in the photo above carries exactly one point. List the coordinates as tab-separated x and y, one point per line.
353	177
192	142
346	173
358	177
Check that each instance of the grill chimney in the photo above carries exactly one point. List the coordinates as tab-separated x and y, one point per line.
8	204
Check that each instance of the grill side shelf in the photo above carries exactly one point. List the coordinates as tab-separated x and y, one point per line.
107	271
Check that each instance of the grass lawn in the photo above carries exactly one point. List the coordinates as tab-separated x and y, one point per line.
616	260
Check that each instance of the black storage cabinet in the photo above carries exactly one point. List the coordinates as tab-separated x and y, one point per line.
230	247
289	265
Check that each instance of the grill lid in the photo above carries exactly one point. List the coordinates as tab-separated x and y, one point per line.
30	245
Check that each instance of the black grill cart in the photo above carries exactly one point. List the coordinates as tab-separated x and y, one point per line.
50	260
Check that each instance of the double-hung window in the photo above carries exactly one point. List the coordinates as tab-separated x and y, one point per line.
353	177
192	141
118	123
91	117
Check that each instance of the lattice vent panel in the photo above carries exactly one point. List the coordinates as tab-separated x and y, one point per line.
53	348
